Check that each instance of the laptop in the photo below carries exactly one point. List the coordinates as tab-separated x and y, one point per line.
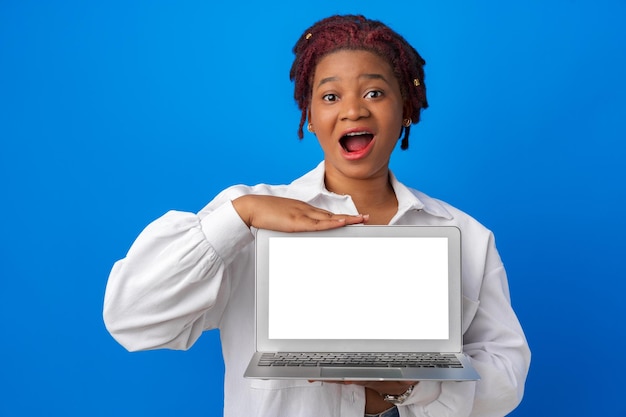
360	303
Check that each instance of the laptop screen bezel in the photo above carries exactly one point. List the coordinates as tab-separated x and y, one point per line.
453	344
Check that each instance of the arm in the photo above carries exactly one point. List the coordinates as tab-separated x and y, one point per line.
172	284
175	281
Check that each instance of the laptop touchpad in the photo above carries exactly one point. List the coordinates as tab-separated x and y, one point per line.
352	373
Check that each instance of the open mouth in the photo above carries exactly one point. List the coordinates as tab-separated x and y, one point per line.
355	141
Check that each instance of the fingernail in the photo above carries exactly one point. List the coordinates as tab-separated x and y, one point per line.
366	217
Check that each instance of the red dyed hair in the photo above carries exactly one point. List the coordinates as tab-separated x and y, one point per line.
358	33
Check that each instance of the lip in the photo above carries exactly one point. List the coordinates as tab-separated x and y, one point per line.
353	156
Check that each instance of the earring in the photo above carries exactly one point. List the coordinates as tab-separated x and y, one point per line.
309	127
407	122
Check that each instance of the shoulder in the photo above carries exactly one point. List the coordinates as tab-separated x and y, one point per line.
475	235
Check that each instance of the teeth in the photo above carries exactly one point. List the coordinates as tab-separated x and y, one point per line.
357	133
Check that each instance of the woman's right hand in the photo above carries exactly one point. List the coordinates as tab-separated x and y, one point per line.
289	215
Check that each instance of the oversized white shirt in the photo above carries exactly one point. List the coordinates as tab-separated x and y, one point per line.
187	273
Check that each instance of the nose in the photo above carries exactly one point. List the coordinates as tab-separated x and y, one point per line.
353	108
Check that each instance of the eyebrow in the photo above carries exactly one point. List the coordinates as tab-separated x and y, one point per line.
367	76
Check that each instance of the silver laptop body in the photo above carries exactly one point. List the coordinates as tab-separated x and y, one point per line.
360	303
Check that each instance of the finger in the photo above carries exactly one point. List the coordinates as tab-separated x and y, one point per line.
361	218
320	214
348	218
311	224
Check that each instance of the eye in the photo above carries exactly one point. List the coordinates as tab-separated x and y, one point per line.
329	97
374	94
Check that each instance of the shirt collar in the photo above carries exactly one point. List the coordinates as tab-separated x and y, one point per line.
311	185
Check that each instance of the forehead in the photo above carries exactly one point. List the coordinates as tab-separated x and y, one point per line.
352	63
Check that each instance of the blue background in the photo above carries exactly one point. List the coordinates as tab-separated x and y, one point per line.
112	113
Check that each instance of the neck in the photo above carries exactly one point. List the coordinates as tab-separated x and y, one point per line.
373	195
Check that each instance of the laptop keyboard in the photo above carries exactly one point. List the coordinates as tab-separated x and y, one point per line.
365	360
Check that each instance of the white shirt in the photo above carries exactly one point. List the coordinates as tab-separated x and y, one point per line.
188	273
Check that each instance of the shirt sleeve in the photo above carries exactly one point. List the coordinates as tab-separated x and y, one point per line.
172	285
497	348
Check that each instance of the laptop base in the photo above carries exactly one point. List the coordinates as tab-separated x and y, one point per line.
361	373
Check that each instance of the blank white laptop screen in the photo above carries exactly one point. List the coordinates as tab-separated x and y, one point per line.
348	288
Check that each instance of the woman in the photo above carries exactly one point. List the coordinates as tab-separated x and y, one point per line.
360	86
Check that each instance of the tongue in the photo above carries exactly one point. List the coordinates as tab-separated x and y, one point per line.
356	143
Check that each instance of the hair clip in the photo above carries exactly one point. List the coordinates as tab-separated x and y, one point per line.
416	82
308	36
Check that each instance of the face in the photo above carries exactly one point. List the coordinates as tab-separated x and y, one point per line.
356	112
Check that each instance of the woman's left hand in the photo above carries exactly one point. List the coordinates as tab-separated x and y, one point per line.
382	387
376	390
